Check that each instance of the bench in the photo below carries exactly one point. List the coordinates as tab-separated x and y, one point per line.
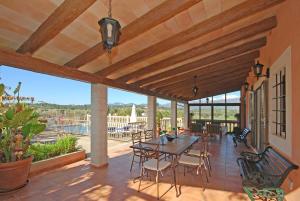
264	170
241	137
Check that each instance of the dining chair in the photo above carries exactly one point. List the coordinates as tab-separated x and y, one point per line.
194	161
152	163
148	135
203	151
136	139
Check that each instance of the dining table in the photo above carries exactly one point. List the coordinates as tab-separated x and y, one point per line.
174	148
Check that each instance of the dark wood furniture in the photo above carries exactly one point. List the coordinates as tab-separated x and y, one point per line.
264	170
241	137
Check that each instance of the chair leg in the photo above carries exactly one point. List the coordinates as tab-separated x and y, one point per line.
202	178
132	162
205	170
141	177
157	184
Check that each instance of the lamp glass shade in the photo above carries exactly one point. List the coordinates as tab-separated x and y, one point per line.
110	32
195	90
246	85
257	69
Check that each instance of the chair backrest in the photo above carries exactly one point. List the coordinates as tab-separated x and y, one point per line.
204	142
244	133
274	163
151	151
136	137
148	134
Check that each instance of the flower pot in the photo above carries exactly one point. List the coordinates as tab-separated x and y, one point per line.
14	175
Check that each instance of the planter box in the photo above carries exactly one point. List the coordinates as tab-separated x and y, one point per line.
56	162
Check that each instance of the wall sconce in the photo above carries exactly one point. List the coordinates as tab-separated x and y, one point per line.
258	68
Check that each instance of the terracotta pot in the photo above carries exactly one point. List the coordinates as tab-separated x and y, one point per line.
14	175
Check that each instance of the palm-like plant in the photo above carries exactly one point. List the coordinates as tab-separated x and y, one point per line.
18	124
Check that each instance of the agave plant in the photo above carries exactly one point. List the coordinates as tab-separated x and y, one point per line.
18	124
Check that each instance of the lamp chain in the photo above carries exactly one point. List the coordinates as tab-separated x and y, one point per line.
109	9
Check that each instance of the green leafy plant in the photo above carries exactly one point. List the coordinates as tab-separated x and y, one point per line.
65	144
18	124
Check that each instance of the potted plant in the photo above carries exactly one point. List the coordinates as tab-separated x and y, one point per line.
18	124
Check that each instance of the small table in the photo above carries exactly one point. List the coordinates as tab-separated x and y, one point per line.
174	148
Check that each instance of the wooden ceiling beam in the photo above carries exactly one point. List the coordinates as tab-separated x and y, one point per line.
236	50
214	92
234	81
231	15
26	62
214	81
62	16
159	14
239	60
202	80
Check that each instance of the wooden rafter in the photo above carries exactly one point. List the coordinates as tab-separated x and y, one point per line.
209	78
236	13
235	50
161	13
229	82
62	16
239	60
234	78
26	62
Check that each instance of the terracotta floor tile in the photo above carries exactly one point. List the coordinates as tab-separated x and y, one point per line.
81	181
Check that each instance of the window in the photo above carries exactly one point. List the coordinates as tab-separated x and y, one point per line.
279	103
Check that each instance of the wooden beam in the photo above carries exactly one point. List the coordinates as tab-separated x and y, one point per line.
211	86
159	14
215	92
204	84
62	16
251	45
26	62
239	60
236	13
211	77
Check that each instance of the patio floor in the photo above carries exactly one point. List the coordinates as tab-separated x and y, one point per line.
81	181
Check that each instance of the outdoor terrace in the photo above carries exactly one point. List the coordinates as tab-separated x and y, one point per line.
82	181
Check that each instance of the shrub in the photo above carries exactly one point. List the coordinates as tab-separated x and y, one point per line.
63	145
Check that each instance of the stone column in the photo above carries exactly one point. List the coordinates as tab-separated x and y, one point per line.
151	113
99	125
186	116
173	114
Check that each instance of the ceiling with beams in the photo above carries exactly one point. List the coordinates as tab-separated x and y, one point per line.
163	46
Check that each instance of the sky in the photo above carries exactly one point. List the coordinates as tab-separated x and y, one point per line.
51	89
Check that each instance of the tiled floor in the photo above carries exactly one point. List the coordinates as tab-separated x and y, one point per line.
81	181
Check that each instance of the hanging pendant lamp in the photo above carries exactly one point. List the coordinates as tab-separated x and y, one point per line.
195	88
110	31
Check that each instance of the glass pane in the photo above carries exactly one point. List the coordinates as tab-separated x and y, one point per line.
206	113
219	112
194	113
233	97
206	100
194	101
219	98
233	113
180	116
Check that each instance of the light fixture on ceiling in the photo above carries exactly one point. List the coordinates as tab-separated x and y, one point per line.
110	30
195	88
258	68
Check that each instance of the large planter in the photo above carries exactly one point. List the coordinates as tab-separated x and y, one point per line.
14	175
56	162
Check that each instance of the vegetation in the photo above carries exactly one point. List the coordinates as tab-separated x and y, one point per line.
18	124
64	145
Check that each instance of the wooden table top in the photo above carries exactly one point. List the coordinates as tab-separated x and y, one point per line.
176	147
